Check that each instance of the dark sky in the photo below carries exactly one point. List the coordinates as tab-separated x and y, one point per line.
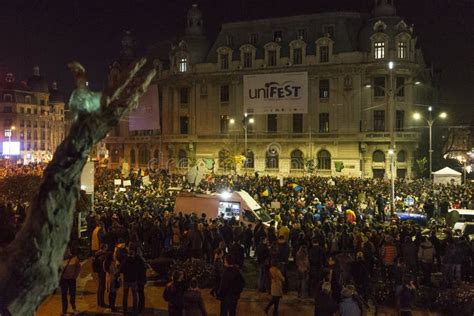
52	32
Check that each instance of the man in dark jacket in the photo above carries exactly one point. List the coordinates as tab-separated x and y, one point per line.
317	259
173	294
227	233
130	268
237	253
232	284
141	281
98	267
263	261
248	237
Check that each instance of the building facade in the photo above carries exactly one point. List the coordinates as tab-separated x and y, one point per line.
32	114
359	104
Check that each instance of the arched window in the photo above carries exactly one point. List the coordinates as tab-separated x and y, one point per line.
378	156
401	156
7	97
28	99
143	156
224	159
272	158
249	160
156	154
182	158
114	156
297	159
324	160
132	157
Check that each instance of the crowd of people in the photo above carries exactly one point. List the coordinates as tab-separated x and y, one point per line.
337	235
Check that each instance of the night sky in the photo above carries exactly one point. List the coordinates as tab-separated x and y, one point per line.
51	33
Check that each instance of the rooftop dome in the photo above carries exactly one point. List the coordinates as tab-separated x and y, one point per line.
54	95
36	82
384	8
194	22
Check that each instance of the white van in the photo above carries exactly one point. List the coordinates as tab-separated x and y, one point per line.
237	204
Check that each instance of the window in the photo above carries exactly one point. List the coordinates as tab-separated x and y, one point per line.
42	102
400	86
43	135
225	161
379	86
399	120
43	146
379	121
249	160
182	64
225	61
28	123
272	57
247	59
28	99
301	34
156	154
272	159
229	40
324	54
379	50
28	111
277	36
253	38
22	110
35	124
297	160
7	97
324	160
182	158
28	134
143	156
324	122
35	135
328	29
298	123
324	89
132	157
7	109
184	95
35	111
224	94
378	156
378	173
402	50
7	123
401	156
183	125
297	56
202	90
272	123
43	112
224	123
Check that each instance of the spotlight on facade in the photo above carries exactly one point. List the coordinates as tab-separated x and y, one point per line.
417	83
231	121
417	116
391	65
430	108
443	115
251	120
391	151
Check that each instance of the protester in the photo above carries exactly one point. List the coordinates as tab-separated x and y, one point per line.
98	267
324	303
173	294
71	270
232	284
276	291
113	281
192	300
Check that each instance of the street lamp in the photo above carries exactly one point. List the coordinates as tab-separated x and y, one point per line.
245	121
391	153
430	120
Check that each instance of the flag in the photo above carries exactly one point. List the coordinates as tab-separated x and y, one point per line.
266	192
296	187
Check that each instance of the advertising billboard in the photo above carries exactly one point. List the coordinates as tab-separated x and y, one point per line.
11	148
147	115
277	93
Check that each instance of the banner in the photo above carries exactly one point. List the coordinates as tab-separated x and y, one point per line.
147	115
278	93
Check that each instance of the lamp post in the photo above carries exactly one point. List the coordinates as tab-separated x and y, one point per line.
430	120
245	121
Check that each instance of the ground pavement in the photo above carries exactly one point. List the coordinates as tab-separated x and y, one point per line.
251	303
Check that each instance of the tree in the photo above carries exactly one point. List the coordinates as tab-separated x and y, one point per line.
421	166
29	266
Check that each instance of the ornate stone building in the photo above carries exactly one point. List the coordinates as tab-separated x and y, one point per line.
34	115
359	104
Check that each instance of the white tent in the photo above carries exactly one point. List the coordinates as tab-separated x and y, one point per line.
447	176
